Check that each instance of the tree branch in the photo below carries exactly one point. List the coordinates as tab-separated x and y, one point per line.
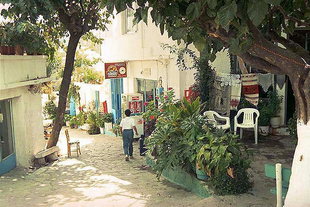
286	16
260	63
291	45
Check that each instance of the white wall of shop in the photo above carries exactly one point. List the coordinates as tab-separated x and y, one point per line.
87	93
27	122
145	57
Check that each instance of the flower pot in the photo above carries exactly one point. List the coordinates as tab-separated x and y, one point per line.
19	50
201	175
101	130
264	130
85	127
11	50
7	50
108	127
275	122
3	50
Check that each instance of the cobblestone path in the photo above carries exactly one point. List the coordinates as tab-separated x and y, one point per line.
101	177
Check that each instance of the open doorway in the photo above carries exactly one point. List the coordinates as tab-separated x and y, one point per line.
7	150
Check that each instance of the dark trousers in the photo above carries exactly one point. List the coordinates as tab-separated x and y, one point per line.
127	141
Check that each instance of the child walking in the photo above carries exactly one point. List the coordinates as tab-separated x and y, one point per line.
127	127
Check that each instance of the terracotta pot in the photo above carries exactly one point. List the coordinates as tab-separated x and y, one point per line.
264	130
11	50
4	50
19	50
275	122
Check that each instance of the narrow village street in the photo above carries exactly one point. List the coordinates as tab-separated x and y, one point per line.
101	177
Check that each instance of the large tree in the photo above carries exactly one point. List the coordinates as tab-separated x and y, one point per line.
257	31
67	20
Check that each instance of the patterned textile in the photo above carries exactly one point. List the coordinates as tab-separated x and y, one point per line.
250	88
235	93
265	80
280	79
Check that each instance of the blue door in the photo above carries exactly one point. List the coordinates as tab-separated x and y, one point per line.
7	150
116	94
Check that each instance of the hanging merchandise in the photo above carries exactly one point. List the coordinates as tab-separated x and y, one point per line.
280	80
265	81
250	88
235	93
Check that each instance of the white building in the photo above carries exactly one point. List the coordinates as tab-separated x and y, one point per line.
147	62
21	127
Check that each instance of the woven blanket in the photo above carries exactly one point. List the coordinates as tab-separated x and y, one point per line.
235	92
265	80
250	88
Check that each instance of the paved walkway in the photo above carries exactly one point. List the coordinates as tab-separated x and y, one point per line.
101	177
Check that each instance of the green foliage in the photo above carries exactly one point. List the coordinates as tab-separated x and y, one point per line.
274	102
74	92
182	139
226	161
204	78
107	118
84	70
176	141
81	118
224	184
292	126
264	112
50	109
73	123
93	121
209	23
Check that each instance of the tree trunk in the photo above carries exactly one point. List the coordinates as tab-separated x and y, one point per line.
64	87
299	187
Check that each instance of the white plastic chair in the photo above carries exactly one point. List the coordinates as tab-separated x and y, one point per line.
211	118
248	121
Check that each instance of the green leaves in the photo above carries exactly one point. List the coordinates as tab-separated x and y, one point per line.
212	3
257	11
193	11
226	14
273	2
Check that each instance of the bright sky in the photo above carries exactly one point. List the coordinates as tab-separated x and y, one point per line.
3	6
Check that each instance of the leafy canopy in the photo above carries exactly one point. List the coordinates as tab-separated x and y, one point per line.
215	24
57	19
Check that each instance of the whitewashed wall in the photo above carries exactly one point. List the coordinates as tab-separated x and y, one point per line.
27	120
145	57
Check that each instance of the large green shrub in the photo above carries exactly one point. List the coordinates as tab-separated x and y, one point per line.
93	121
181	138
175	138
225	161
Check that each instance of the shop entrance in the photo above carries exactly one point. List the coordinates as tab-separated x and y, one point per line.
116	93
7	150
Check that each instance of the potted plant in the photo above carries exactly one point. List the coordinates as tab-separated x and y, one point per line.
73	123
101	123
264	116
67	119
92	120
274	106
81	119
108	118
6	47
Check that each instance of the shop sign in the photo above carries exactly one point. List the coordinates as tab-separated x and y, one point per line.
115	70
135	98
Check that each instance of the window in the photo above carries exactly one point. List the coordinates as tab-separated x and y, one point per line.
147	88
128	26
